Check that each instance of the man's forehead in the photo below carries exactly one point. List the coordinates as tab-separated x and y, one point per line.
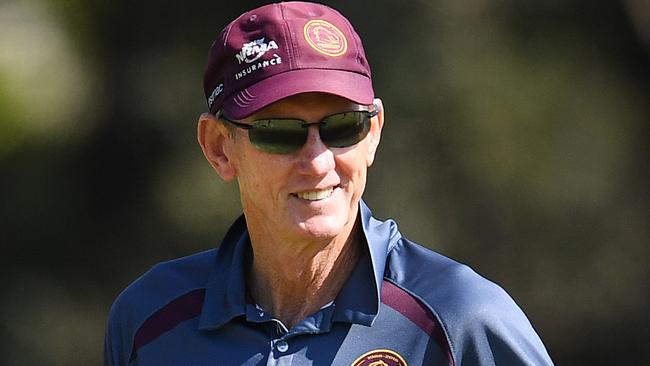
306	104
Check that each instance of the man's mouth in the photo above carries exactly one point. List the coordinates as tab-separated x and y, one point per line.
315	195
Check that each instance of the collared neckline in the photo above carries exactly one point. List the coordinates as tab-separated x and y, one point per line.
225	293
357	302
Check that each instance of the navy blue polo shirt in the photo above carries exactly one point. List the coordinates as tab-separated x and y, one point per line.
402	305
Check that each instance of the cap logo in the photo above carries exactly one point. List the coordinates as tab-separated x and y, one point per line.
215	94
380	357
252	51
325	38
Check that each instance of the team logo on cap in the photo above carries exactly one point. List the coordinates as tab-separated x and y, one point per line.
215	93
251	55
380	357
325	38
252	51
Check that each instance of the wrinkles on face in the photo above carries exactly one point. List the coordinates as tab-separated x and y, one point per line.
289	194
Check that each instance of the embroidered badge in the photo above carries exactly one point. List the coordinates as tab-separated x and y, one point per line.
325	38
380	357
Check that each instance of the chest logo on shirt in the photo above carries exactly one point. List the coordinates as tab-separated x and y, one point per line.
380	357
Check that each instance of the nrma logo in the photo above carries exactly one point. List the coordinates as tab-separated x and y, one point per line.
252	51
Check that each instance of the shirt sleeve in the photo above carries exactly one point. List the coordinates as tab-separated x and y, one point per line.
482	324
117	339
502	336
487	327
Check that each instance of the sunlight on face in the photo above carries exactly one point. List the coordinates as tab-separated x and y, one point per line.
309	194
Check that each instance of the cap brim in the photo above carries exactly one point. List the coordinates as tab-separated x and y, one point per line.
346	84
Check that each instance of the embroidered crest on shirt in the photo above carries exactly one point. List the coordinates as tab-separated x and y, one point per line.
380	357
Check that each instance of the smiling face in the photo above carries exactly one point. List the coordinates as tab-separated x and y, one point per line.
310	194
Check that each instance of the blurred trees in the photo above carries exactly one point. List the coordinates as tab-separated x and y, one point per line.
515	141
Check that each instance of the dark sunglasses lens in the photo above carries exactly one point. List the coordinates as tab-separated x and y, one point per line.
345	129
278	136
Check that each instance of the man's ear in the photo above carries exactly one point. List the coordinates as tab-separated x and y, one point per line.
376	125
216	142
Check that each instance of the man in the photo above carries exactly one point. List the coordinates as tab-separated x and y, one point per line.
306	276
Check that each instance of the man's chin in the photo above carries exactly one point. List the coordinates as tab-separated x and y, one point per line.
322	227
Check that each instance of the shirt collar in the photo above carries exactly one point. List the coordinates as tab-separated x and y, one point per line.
357	302
225	293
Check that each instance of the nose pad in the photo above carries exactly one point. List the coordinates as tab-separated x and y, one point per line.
315	157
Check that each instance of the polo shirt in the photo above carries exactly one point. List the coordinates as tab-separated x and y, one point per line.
402	305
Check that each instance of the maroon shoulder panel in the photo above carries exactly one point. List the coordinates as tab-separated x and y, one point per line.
414	310
182	308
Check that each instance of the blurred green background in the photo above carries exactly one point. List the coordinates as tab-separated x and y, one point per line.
516	141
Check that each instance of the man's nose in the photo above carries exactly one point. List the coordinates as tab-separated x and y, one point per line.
315	157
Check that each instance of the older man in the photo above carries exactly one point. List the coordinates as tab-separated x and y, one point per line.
306	276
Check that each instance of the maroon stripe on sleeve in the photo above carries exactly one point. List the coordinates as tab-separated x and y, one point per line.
414	310
182	308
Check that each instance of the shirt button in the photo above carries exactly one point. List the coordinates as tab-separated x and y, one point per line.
282	346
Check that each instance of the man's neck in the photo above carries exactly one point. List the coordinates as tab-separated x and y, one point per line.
293	281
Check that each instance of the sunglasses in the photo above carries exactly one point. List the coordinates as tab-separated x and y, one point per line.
285	135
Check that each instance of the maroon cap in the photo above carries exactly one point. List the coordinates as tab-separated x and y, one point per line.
283	49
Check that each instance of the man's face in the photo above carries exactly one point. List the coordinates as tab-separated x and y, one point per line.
309	194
